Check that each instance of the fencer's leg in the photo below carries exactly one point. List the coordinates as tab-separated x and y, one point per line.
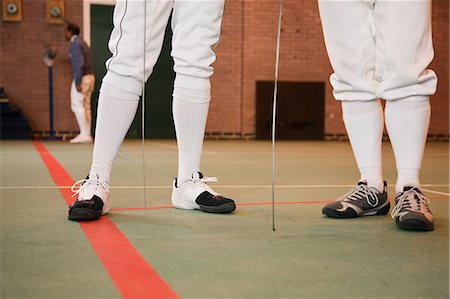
404	50
407	123
119	96
116	111
122	85
349	34
196	28
193	55
349	31
190	111
364	123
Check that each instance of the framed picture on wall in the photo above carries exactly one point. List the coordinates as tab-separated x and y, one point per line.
55	12
12	10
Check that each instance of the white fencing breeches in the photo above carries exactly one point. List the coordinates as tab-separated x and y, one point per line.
379	49
196	30
80	103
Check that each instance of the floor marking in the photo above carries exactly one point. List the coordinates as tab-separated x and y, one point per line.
142	209
175	147
219	186
130	273
238	204
254	204
171	146
436	192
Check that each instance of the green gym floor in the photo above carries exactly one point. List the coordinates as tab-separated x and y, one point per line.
200	255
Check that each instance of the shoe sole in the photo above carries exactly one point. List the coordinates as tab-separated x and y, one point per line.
350	213
222	209
415	225
84	215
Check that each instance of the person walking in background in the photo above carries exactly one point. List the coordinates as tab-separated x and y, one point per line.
82	82
381	50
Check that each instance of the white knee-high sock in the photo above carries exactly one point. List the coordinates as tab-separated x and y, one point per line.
364	124
82	123
116	111
191	98
407	124
77	106
88	116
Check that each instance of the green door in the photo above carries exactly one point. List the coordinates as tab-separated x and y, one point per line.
158	89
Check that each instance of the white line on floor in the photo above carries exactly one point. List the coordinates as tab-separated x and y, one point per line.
226	186
174	147
436	192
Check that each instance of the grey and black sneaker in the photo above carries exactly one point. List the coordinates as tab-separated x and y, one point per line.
411	210
92	198
362	200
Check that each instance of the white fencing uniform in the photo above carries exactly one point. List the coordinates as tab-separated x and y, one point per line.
80	103
379	49
135	44
196	30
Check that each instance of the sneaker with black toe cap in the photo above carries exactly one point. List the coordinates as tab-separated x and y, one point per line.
411	210
195	194
362	200
92	201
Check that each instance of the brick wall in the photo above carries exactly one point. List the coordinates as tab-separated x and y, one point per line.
440	101
23	72
246	54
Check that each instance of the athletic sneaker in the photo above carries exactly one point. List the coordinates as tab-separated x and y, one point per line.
92	201
195	194
362	200
411	210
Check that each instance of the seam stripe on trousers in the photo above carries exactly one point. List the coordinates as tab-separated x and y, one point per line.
130	273
120	36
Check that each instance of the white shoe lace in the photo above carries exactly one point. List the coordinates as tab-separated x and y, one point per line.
410	201
203	182
361	191
86	188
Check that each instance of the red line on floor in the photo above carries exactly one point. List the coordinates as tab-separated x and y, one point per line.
139	209
131	274
285	203
238	204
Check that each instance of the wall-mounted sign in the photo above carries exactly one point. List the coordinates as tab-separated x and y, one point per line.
12	10
55	12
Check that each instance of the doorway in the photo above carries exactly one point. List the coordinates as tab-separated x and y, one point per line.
300	114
